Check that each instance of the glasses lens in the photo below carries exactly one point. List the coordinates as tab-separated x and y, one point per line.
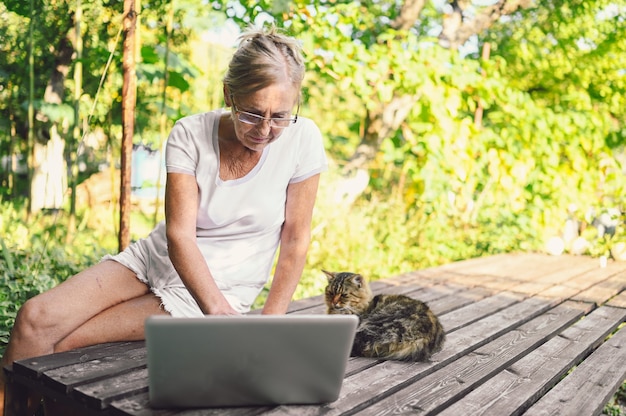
280	122
249	118
254	119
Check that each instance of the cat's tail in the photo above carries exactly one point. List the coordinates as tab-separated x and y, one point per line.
418	350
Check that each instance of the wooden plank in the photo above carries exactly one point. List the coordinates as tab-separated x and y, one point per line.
459	300
471	281
594	276
435	292
485	330
375	382
576	265
484	281
488	265
34	367
559	292
603	291
530	288
422	277
358	364
515	389
139	406
500	283
536	266
101	393
618	301
69	376
16	395
520	267
408	289
590	386
54	396
432	393
471	313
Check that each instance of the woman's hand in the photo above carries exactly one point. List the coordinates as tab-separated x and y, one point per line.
222	308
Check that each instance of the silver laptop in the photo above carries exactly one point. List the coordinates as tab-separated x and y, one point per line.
223	361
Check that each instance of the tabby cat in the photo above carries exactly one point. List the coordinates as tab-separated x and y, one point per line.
391	327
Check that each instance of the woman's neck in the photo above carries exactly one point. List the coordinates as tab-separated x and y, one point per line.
236	160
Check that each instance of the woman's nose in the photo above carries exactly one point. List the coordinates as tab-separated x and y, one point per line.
264	127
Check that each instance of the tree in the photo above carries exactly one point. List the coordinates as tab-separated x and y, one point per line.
129	97
52	116
371	46
411	85
92	101
398	88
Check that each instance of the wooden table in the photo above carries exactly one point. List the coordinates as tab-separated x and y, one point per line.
526	334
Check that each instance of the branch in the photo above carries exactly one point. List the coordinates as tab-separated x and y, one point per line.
457	29
409	13
381	123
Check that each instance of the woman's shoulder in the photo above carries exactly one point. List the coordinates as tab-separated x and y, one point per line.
305	128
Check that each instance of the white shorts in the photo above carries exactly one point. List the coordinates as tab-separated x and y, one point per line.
149	260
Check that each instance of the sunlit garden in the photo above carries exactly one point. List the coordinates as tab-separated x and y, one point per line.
449	137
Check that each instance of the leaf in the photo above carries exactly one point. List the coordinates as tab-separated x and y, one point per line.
178	81
8	259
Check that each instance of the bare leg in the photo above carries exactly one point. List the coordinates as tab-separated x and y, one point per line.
108	327
67	316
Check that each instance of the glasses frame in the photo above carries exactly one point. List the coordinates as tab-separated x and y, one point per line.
260	119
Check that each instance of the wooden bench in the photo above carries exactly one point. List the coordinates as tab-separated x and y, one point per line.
526	334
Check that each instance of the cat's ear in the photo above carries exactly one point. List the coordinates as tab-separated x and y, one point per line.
330	275
358	280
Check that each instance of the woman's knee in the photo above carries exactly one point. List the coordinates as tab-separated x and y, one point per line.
32	321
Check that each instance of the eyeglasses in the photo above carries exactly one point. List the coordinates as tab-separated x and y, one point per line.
255	119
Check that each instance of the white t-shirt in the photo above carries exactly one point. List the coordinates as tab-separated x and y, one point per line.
239	221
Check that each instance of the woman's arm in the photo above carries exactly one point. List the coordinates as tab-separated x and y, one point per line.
294	244
181	206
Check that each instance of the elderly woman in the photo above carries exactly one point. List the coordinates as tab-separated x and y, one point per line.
239	183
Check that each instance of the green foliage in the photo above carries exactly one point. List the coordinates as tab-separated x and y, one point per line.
547	140
35	257
35	272
617	404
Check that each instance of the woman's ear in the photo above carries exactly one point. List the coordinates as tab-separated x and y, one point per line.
227	97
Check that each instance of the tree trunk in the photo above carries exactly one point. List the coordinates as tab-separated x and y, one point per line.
76	131
380	124
129	96
31	105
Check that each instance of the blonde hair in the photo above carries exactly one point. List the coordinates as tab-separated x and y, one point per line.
264	57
